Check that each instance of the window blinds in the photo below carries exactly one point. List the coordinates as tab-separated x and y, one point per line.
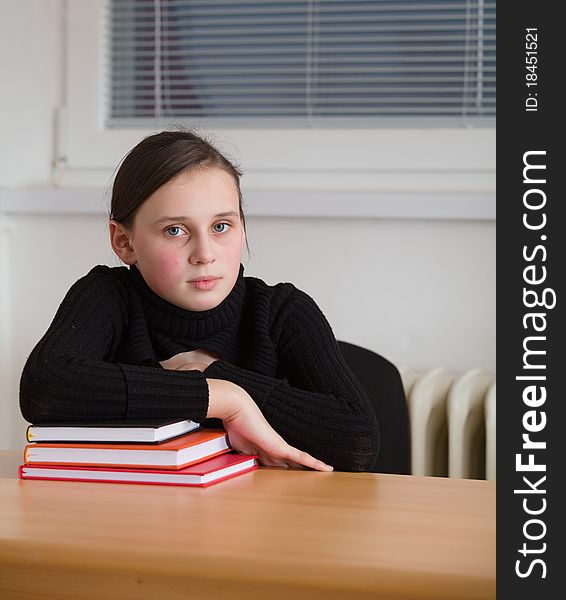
307	63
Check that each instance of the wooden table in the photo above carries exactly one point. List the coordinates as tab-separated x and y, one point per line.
266	534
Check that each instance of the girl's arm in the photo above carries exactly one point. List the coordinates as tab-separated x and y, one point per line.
71	374
248	430
320	407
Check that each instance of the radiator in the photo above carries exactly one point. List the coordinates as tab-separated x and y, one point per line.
452	420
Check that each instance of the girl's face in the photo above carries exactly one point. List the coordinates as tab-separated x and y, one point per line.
187	239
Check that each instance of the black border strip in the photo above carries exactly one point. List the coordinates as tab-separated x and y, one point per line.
530	125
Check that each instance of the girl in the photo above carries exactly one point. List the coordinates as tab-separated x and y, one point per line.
181	333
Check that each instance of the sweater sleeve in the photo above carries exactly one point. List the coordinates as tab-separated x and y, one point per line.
70	374
320	407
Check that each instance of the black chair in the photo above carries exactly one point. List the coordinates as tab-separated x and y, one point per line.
382	383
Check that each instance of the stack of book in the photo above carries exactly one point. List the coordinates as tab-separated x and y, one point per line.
167	453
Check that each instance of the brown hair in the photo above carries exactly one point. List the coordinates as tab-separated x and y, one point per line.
156	160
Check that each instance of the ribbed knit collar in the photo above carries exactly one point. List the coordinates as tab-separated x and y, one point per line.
177	323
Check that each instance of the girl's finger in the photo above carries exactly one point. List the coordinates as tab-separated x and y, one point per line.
307	460
270	461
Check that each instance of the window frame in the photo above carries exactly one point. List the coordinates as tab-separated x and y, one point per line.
452	169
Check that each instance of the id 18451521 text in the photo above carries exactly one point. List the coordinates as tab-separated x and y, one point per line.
531	66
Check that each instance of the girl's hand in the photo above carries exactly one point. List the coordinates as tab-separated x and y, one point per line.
185	361
250	433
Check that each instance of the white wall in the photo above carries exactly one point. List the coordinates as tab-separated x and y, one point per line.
421	292
30	70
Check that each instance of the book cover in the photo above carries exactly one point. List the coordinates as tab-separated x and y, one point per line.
177	453
148	431
201	474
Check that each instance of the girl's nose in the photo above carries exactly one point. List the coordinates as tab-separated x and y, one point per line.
201	251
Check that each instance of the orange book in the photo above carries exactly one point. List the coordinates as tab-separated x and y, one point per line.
177	453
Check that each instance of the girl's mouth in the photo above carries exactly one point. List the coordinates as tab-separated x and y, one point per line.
204	283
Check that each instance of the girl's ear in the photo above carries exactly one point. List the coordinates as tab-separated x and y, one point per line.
120	238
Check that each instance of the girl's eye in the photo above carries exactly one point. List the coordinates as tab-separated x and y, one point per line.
221	227
174	231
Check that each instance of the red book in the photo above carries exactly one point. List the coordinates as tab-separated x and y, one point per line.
201	474
177	453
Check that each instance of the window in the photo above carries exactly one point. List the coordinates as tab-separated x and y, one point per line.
311	62
309	160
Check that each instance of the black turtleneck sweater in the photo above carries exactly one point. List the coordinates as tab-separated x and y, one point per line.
100	360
